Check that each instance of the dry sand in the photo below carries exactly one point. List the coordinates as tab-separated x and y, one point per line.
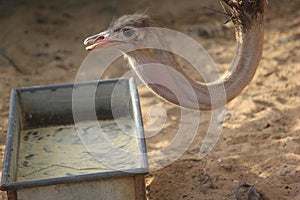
41	43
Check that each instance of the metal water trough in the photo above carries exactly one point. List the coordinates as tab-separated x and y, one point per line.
36	108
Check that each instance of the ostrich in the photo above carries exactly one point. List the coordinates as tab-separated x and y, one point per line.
247	17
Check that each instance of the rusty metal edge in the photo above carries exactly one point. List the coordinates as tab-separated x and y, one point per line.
9	140
137	112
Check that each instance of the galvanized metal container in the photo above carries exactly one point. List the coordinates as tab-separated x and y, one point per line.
59	162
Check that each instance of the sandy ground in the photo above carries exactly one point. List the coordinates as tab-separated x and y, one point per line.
41	43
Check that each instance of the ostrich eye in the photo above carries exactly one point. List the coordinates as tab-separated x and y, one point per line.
127	32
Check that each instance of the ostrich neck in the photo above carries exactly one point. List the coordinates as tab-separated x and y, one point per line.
249	37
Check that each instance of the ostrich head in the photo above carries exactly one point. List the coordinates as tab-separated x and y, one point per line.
131	33
122	32
125	32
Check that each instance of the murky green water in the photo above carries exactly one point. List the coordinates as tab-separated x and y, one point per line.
90	147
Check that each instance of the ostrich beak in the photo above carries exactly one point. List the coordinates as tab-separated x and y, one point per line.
96	40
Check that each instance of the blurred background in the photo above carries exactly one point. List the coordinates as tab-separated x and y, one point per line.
41	42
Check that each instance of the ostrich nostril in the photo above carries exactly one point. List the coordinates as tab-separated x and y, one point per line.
93	39
100	37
